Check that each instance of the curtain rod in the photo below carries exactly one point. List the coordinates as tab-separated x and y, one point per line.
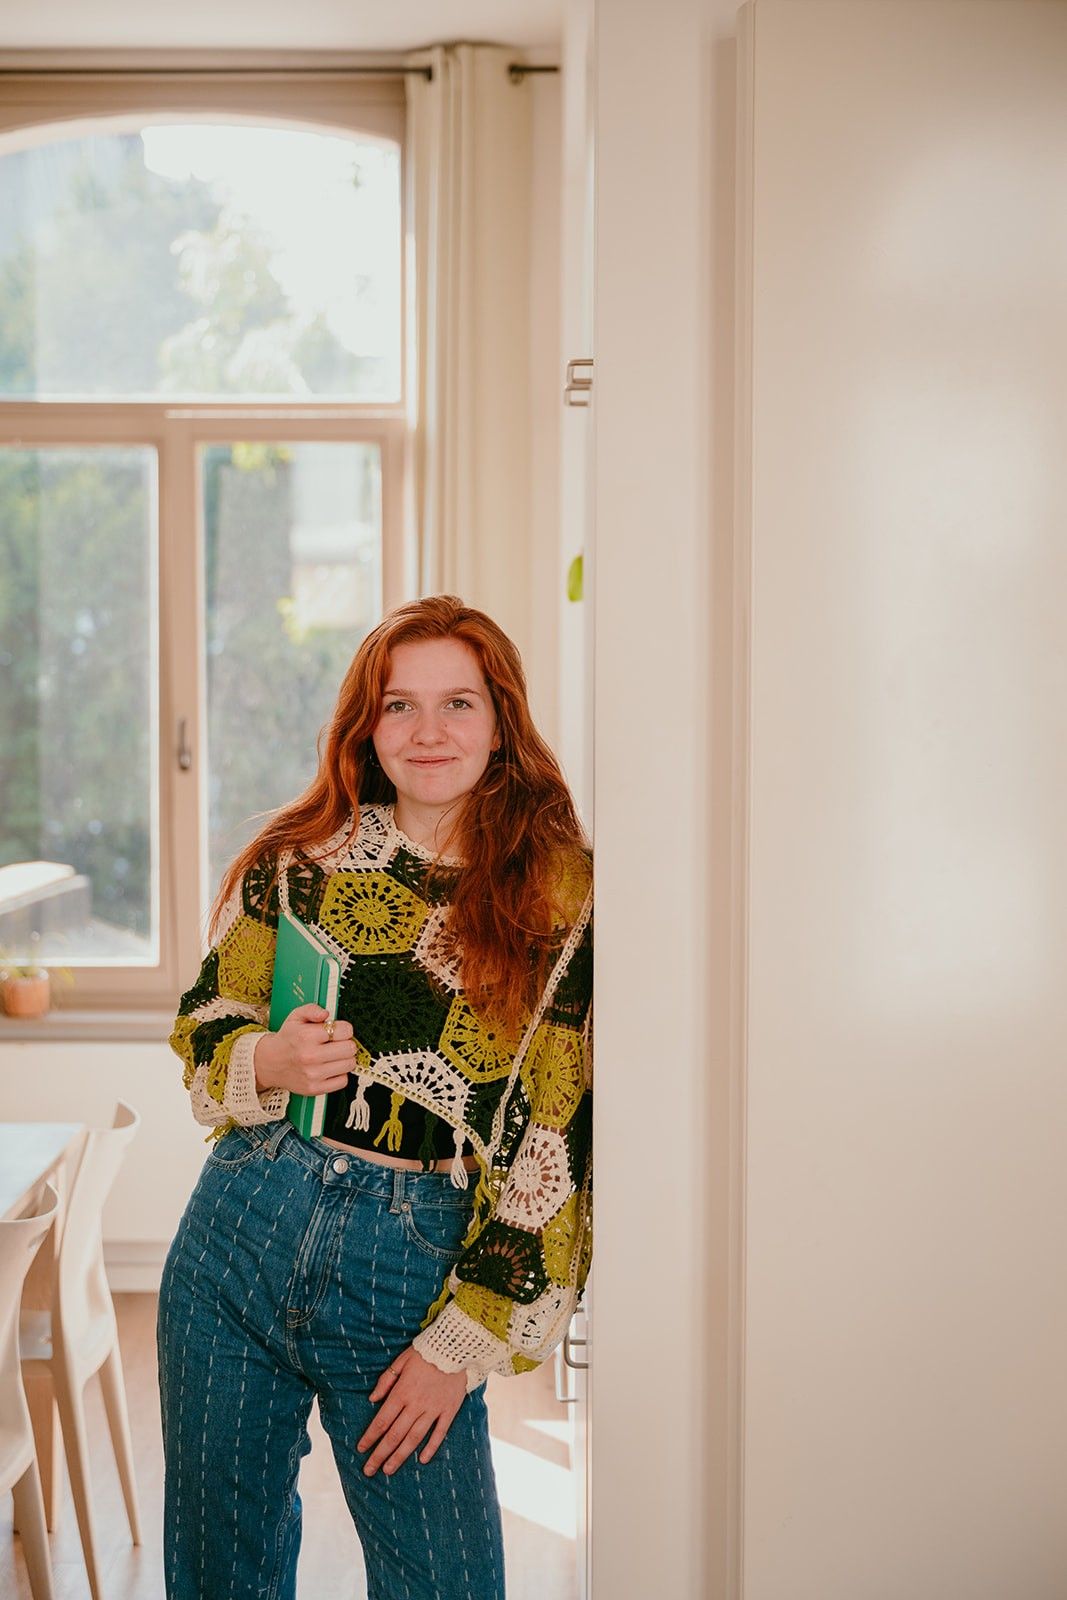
517	70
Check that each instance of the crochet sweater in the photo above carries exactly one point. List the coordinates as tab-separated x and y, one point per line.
523	1103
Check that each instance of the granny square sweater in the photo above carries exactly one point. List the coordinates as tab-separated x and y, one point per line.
521	1101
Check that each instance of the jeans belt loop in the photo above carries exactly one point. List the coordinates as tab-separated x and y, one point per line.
275	1137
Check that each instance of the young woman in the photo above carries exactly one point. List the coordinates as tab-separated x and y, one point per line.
439	856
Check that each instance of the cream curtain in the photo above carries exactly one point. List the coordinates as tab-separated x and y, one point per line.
469	150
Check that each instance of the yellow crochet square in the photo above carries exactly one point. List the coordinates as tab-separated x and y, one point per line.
181	1042
215	1083
572	885
585	1248
492	1310
553	1074
481	1050
371	914
246	961
558	1239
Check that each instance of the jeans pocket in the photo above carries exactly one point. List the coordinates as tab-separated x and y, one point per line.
437	1230
236	1146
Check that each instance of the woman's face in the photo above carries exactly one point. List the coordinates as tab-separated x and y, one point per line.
437	727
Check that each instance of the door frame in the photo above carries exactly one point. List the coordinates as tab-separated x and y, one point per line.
670	753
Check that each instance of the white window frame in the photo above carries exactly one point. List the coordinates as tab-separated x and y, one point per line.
136	1001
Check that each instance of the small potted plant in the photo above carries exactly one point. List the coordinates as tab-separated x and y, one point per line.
26	984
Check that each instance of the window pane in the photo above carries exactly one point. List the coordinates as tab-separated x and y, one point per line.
197	259
78	878
293	538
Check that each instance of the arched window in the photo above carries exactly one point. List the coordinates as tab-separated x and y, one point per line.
202	427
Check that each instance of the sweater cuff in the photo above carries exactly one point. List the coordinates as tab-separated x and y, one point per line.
241	1099
454	1342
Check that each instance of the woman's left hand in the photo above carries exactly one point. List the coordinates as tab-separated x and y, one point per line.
415	1395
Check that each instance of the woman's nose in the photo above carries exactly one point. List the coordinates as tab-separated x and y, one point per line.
429	729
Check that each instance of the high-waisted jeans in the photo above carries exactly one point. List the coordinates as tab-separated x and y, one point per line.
298	1272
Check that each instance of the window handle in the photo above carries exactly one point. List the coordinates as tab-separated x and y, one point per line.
185	755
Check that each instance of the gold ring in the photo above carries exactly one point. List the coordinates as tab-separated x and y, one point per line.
329	1026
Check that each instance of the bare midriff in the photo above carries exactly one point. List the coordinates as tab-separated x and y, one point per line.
470	1162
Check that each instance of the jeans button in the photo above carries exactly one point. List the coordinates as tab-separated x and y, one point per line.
405	1205
340	1164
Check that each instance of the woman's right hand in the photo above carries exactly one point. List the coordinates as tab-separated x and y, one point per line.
301	1058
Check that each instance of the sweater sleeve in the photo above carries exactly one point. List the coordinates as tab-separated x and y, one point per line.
516	1286
223	1016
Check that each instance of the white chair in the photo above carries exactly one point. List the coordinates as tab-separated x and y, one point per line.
79	1336
20	1241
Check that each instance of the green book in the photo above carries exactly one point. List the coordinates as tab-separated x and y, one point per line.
305	973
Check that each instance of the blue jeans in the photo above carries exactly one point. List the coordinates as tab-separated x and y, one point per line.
299	1272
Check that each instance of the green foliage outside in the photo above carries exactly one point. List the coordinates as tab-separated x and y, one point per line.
169	292
74	714
270	680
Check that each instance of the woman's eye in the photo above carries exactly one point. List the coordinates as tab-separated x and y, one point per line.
400	705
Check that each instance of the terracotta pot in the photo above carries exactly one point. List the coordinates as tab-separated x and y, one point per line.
26	997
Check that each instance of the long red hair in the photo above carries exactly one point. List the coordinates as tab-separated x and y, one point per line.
525	854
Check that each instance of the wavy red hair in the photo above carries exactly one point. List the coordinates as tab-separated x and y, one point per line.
518	832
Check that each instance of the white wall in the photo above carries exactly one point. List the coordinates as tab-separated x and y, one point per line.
906	1196
545	400
574	530
80	1082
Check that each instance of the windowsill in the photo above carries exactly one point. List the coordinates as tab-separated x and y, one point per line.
86	1026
